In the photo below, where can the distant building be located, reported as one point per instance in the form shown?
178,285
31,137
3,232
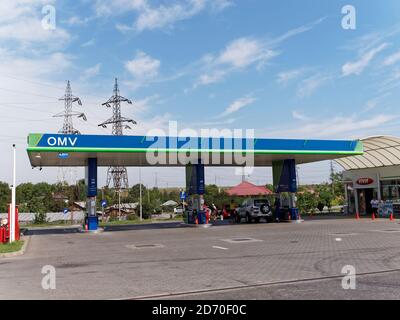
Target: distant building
125,209
78,206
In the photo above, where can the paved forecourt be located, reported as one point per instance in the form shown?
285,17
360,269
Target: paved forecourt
159,260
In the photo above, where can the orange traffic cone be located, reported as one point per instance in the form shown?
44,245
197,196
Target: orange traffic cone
357,216
391,216
373,215
197,221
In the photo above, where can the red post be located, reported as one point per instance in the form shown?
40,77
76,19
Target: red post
16,222
3,235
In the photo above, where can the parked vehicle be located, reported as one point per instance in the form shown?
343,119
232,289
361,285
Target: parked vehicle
254,210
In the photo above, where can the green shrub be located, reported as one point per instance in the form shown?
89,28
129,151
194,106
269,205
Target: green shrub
131,217
40,218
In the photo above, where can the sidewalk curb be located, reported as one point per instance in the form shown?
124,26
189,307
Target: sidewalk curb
26,240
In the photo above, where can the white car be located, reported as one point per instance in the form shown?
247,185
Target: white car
254,210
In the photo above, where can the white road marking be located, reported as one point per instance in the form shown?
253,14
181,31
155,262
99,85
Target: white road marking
222,248
338,239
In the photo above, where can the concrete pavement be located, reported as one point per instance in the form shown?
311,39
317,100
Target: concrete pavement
150,261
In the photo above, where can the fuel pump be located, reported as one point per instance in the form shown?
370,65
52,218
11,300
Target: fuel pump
285,180
5,226
195,190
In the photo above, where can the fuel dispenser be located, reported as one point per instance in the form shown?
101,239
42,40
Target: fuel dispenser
5,226
195,189
91,220
285,180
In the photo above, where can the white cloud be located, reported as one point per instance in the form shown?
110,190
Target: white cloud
237,105
112,7
88,43
299,116
91,72
394,58
391,82
308,86
21,24
285,77
245,51
337,127
163,16
143,105
77,21
155,18
143,66
212,77
239,54
219,5
357,67
160,122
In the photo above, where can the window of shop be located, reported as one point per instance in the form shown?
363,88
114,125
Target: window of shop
390,190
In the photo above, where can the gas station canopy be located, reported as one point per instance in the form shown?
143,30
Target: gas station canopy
379,151
57,150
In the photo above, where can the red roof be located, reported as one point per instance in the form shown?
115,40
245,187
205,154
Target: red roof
248,189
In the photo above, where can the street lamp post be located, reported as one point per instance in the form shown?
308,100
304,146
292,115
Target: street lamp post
140,194
12,211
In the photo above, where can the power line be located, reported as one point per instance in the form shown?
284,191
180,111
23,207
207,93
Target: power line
43,84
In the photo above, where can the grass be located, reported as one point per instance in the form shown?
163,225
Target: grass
129,222
48,224
101,224
11,247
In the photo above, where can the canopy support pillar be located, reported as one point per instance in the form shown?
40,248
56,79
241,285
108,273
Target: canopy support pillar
91,183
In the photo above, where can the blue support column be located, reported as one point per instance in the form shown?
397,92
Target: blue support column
91,182
285,180
195,189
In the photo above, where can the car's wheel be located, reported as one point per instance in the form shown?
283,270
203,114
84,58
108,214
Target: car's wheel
248,218
265,208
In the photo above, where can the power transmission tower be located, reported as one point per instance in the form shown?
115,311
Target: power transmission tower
68,113
117,174
68,127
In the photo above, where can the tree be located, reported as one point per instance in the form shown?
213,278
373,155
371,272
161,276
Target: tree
338,186
5,196
326,198
307,202
134,193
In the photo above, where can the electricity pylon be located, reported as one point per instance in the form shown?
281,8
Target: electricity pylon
117,174
68,113
68,127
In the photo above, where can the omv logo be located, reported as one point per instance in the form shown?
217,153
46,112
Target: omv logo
62,141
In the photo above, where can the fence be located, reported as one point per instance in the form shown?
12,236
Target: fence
77,216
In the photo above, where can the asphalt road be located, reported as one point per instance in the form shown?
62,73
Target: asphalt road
169,261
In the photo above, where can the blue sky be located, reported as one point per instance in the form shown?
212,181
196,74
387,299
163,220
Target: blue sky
284,68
